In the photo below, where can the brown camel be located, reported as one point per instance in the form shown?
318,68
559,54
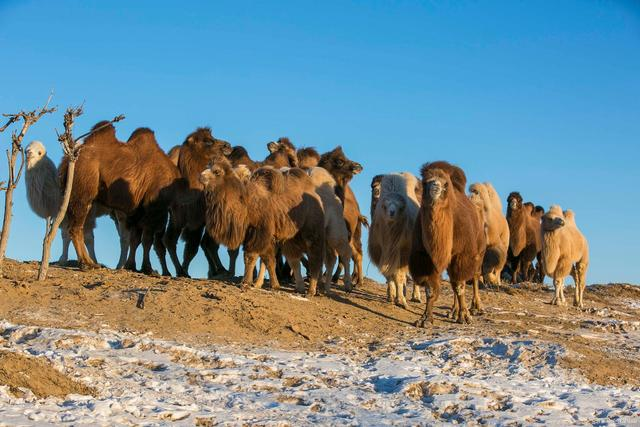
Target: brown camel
342,169
136,178
271,207
524,235
449,236
187,219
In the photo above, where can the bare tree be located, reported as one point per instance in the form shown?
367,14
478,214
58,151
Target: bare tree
28,118
71,149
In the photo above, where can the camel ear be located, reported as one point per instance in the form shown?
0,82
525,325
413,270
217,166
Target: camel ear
272,147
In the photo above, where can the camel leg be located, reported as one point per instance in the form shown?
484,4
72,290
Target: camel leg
476,303
345,254
250,260
399,279
329,264
191,244
135,236
455,308
463,311
357,267
170,241
89,241
516,272
147,243
270,263
562,299
76,232
315,259
297,274
210,248
415,294
233,258
432,294
123,234
259,280
558,299
391,290
66,241
161,252
336,276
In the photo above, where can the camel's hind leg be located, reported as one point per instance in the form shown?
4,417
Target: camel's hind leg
147,242
250,260
192,239
161,252
330,259
123,234
463,311
476,303
66,241
392,290
294,263
76,232
233,258
400,278
415,293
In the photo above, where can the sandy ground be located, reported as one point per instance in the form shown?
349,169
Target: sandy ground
66,321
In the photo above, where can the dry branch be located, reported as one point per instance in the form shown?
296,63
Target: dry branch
28,118
71,149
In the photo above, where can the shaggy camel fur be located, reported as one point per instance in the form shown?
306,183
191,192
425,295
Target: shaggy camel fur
282,154
564,251
496,229
136,178
307,157
390,235
524,235
45,197
271,207
336,233
448,236
196,152
342,169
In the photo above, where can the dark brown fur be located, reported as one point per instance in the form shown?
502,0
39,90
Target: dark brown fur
448,235
524,235
136,178
343,170
272,207
187,219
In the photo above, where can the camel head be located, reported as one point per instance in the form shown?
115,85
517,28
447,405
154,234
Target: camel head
514,201
478,194
206,145
538,211
376,189
436,185
554,219
218,171
282,153
339,165
393,205
35,152
242,172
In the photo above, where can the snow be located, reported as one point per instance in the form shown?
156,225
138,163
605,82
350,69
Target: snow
446,379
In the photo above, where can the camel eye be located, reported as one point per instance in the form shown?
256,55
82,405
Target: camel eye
39,152
339,163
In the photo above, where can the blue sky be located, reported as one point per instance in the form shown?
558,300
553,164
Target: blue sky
541,97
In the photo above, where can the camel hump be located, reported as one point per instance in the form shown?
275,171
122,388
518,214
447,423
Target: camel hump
457,176
269,178
102,131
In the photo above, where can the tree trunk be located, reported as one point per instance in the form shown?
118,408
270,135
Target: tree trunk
8,205
53,229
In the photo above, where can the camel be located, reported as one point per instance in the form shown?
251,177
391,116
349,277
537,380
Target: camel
136,178
564,251
395,208
45,197
449,236
336,233
524,235
496,229
307,157
271,207
343,170
187,220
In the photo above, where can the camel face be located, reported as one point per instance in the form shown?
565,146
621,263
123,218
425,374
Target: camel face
436,185
553,220
35,151
393,205
515,201
209,147
210,177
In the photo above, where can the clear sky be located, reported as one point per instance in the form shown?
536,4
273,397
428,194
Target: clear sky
542,97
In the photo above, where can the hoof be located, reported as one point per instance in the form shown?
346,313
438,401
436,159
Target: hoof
88,267
403,305
418,300
477,311
464,319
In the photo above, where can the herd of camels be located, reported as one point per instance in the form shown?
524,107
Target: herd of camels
297,205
